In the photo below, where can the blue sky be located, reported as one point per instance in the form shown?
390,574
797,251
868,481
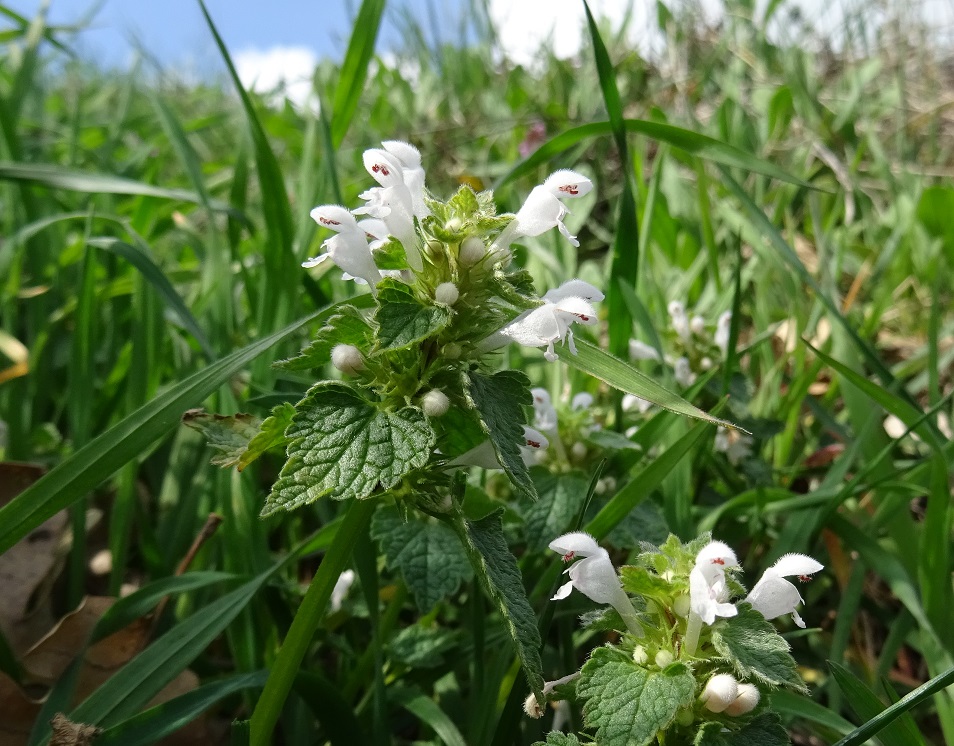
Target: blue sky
175,32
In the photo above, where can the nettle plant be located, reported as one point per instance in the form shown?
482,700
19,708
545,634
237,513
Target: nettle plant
691,666
420,398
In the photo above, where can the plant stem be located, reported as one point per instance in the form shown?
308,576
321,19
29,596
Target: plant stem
693,628
305,623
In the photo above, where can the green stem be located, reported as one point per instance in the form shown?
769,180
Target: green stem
693,628
305,623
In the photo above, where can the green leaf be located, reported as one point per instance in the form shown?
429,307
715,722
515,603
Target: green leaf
343,446
162,720
691,142
497,569
628,704
756,650
639,581
429,712
621,375
556,738
402,319
763,730
347,326
561,499
76,475
354,68
423,647
271,434
227,434
427,553
391,255
499,400
900,732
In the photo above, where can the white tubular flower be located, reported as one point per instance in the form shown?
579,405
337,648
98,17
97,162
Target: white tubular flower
594,576
581,401
678,319
413,173
683,372
563,306
544,413
543,209
773,595
342,586
708,591
348,249
392,202
745,702
720,692
485,456
642,351
722,331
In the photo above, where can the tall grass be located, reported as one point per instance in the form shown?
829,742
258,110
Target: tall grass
152,233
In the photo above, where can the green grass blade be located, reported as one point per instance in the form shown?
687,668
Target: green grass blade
163,720
58,177
621,375
354,68
140,259
92,464
689,141
428,711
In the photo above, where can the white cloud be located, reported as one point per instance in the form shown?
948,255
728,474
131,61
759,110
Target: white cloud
281,71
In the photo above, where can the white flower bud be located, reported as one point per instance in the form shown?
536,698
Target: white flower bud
697,325
746,701
720,692
663,658
453,224
435,403
472,250
706,363
640,656
578,450
446,293
347,358
680,605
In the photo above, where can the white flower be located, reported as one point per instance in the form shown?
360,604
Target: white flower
581,401
683,372
720,692
342,586
697,325
484,455
349,248
392,202
642,351
708,590
409,158
632,402
678,319
563,306
773,595
543,209
733,444
347,358
747,700
594,576
722,331
544,413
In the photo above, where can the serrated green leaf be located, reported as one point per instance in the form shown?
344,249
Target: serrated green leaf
628,704
428,555
639,581
756,650
556,738
561,496
464,203
270,435
347,326
763,730
498,572
458,430
499,400
344,447
227,434
644,523
391,255
402,319
516,288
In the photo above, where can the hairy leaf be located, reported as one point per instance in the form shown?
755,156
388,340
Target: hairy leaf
561,499
343,446
763,730
402,319
227,434
270,435
348,326
756,651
